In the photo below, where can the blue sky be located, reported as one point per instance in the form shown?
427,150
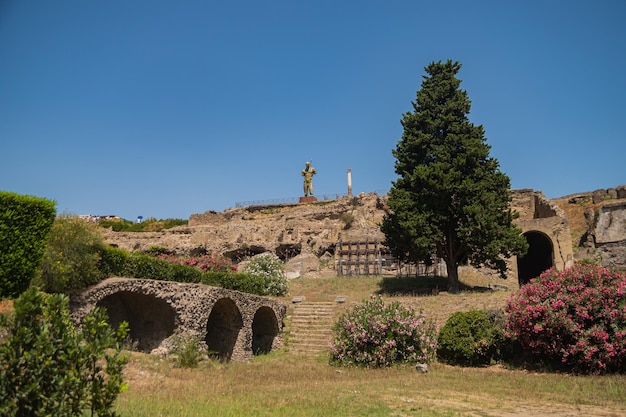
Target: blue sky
164,109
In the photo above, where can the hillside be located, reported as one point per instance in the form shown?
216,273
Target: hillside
305,236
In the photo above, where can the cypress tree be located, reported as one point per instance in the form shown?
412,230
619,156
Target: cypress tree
450,198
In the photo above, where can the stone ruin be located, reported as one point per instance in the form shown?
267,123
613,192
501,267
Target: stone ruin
305,236
234,325
547,232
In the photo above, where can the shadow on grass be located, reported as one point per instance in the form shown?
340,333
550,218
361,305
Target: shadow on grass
420,285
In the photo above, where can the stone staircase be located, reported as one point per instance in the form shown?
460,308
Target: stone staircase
311,327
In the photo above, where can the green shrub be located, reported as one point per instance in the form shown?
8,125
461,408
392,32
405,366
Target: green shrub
472,338
49,368
25,222
139,265
72,256
373,334
248,283
184,273
270,271
113,261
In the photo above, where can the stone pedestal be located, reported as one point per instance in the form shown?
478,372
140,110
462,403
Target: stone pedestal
308,199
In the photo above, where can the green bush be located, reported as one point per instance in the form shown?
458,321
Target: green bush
25,222
139,265
472,338
72,256
248,283
49,368
183,273
270,271
113,261
373,334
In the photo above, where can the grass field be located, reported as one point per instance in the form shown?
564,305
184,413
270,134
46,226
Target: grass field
285,384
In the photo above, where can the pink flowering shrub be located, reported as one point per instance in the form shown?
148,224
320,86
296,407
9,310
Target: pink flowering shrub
206,263
573,320
376,335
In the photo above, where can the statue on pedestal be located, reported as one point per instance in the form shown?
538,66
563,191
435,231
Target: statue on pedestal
308,173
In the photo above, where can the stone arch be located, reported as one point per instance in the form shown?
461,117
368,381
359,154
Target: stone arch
540,257
264,330
223,327
151,320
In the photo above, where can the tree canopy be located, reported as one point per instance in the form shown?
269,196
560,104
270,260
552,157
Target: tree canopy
450,198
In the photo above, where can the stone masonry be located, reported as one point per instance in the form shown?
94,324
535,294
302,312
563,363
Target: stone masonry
234,325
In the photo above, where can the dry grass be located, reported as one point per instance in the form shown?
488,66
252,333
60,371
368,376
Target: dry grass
287,385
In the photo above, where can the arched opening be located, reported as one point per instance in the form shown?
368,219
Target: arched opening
150,319
264,330
223,328
538,258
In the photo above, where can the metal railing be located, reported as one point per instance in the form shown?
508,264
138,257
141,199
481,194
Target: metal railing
295,200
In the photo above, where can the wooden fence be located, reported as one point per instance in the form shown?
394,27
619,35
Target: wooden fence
365,258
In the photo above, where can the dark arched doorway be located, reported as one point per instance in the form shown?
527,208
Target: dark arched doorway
223,328
264,330
151,319
538,258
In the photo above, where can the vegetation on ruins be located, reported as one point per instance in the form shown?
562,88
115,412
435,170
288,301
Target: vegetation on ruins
147,225
51,368
25,222
573,320
450,199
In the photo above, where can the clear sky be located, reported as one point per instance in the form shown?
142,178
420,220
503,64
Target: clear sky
168,108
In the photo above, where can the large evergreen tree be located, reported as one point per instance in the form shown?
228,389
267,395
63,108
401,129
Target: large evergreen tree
451,199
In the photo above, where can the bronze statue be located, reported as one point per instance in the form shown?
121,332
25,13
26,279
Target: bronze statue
308,173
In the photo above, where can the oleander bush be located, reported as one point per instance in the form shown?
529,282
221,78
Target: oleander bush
374,335
573,320
472,338
205,263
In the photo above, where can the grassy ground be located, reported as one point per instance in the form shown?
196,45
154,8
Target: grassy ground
284,384
281,384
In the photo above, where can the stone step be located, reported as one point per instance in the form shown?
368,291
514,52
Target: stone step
311,327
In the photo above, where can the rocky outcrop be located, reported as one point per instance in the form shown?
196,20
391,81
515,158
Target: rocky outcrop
303,235
603,231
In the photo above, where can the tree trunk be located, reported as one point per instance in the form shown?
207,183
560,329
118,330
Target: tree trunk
453,277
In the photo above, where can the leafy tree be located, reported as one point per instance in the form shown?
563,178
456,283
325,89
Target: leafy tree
451,199
72,255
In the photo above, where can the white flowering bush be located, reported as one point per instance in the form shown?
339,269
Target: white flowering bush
270,270
376,335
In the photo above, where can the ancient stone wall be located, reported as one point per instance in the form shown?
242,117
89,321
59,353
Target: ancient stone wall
234,325
546,228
